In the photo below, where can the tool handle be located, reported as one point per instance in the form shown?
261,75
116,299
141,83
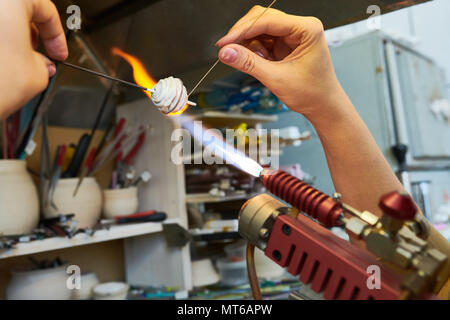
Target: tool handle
137,215
135,149
90,159
153,217
118,147
62,155
118,130
119,127
78,157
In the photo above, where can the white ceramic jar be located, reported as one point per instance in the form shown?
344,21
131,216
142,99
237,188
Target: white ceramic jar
120,202
19,200
42,284
86,205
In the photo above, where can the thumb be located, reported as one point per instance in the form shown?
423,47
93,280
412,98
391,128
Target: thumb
247,61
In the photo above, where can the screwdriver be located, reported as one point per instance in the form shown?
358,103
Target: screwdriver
77,159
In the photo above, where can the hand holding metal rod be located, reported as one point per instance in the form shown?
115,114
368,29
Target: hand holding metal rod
130,84
103,75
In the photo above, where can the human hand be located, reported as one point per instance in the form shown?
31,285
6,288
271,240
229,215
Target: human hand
25,72
289,55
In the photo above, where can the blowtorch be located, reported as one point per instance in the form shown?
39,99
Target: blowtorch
298,239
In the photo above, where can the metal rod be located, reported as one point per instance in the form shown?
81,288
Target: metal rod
240,37
104,76
204,76
5,139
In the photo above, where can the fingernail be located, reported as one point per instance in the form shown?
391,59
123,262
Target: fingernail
228,55
51,70
260,54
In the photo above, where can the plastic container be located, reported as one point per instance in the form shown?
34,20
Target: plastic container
232,273
120,202
111,291
86,205
41,284
19,201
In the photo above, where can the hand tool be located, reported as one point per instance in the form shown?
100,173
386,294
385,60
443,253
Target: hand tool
146,216
45,169
131,173
56,174
78,157
45,144
241,37
114,180
106,137
52,174
20,142
102,110
144,177
123,165
110,147
85,141
107,151
87,168
26,144
108,156
5,139
70,152
115,131
12,130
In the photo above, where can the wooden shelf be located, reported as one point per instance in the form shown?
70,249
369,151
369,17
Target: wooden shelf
114,233
207,198
217,119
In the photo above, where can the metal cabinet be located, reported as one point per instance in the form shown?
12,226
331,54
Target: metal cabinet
422,85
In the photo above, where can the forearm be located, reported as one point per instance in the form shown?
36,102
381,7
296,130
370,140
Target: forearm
358,168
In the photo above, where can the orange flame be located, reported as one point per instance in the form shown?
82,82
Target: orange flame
140,74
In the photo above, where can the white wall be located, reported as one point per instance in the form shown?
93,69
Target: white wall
427,25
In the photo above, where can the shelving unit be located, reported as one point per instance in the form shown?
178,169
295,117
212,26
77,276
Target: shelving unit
114,233
146,257
207,198
216,119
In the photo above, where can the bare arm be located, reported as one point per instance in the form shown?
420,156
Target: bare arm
292,59
290,56
25,72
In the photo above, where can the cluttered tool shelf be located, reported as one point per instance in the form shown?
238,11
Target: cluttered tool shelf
113,233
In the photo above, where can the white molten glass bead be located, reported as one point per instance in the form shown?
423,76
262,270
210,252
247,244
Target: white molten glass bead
169,95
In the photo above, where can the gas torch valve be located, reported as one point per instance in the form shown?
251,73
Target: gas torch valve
397,208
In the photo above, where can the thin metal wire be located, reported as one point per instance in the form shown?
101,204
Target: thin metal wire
242,36
204,77
104,76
